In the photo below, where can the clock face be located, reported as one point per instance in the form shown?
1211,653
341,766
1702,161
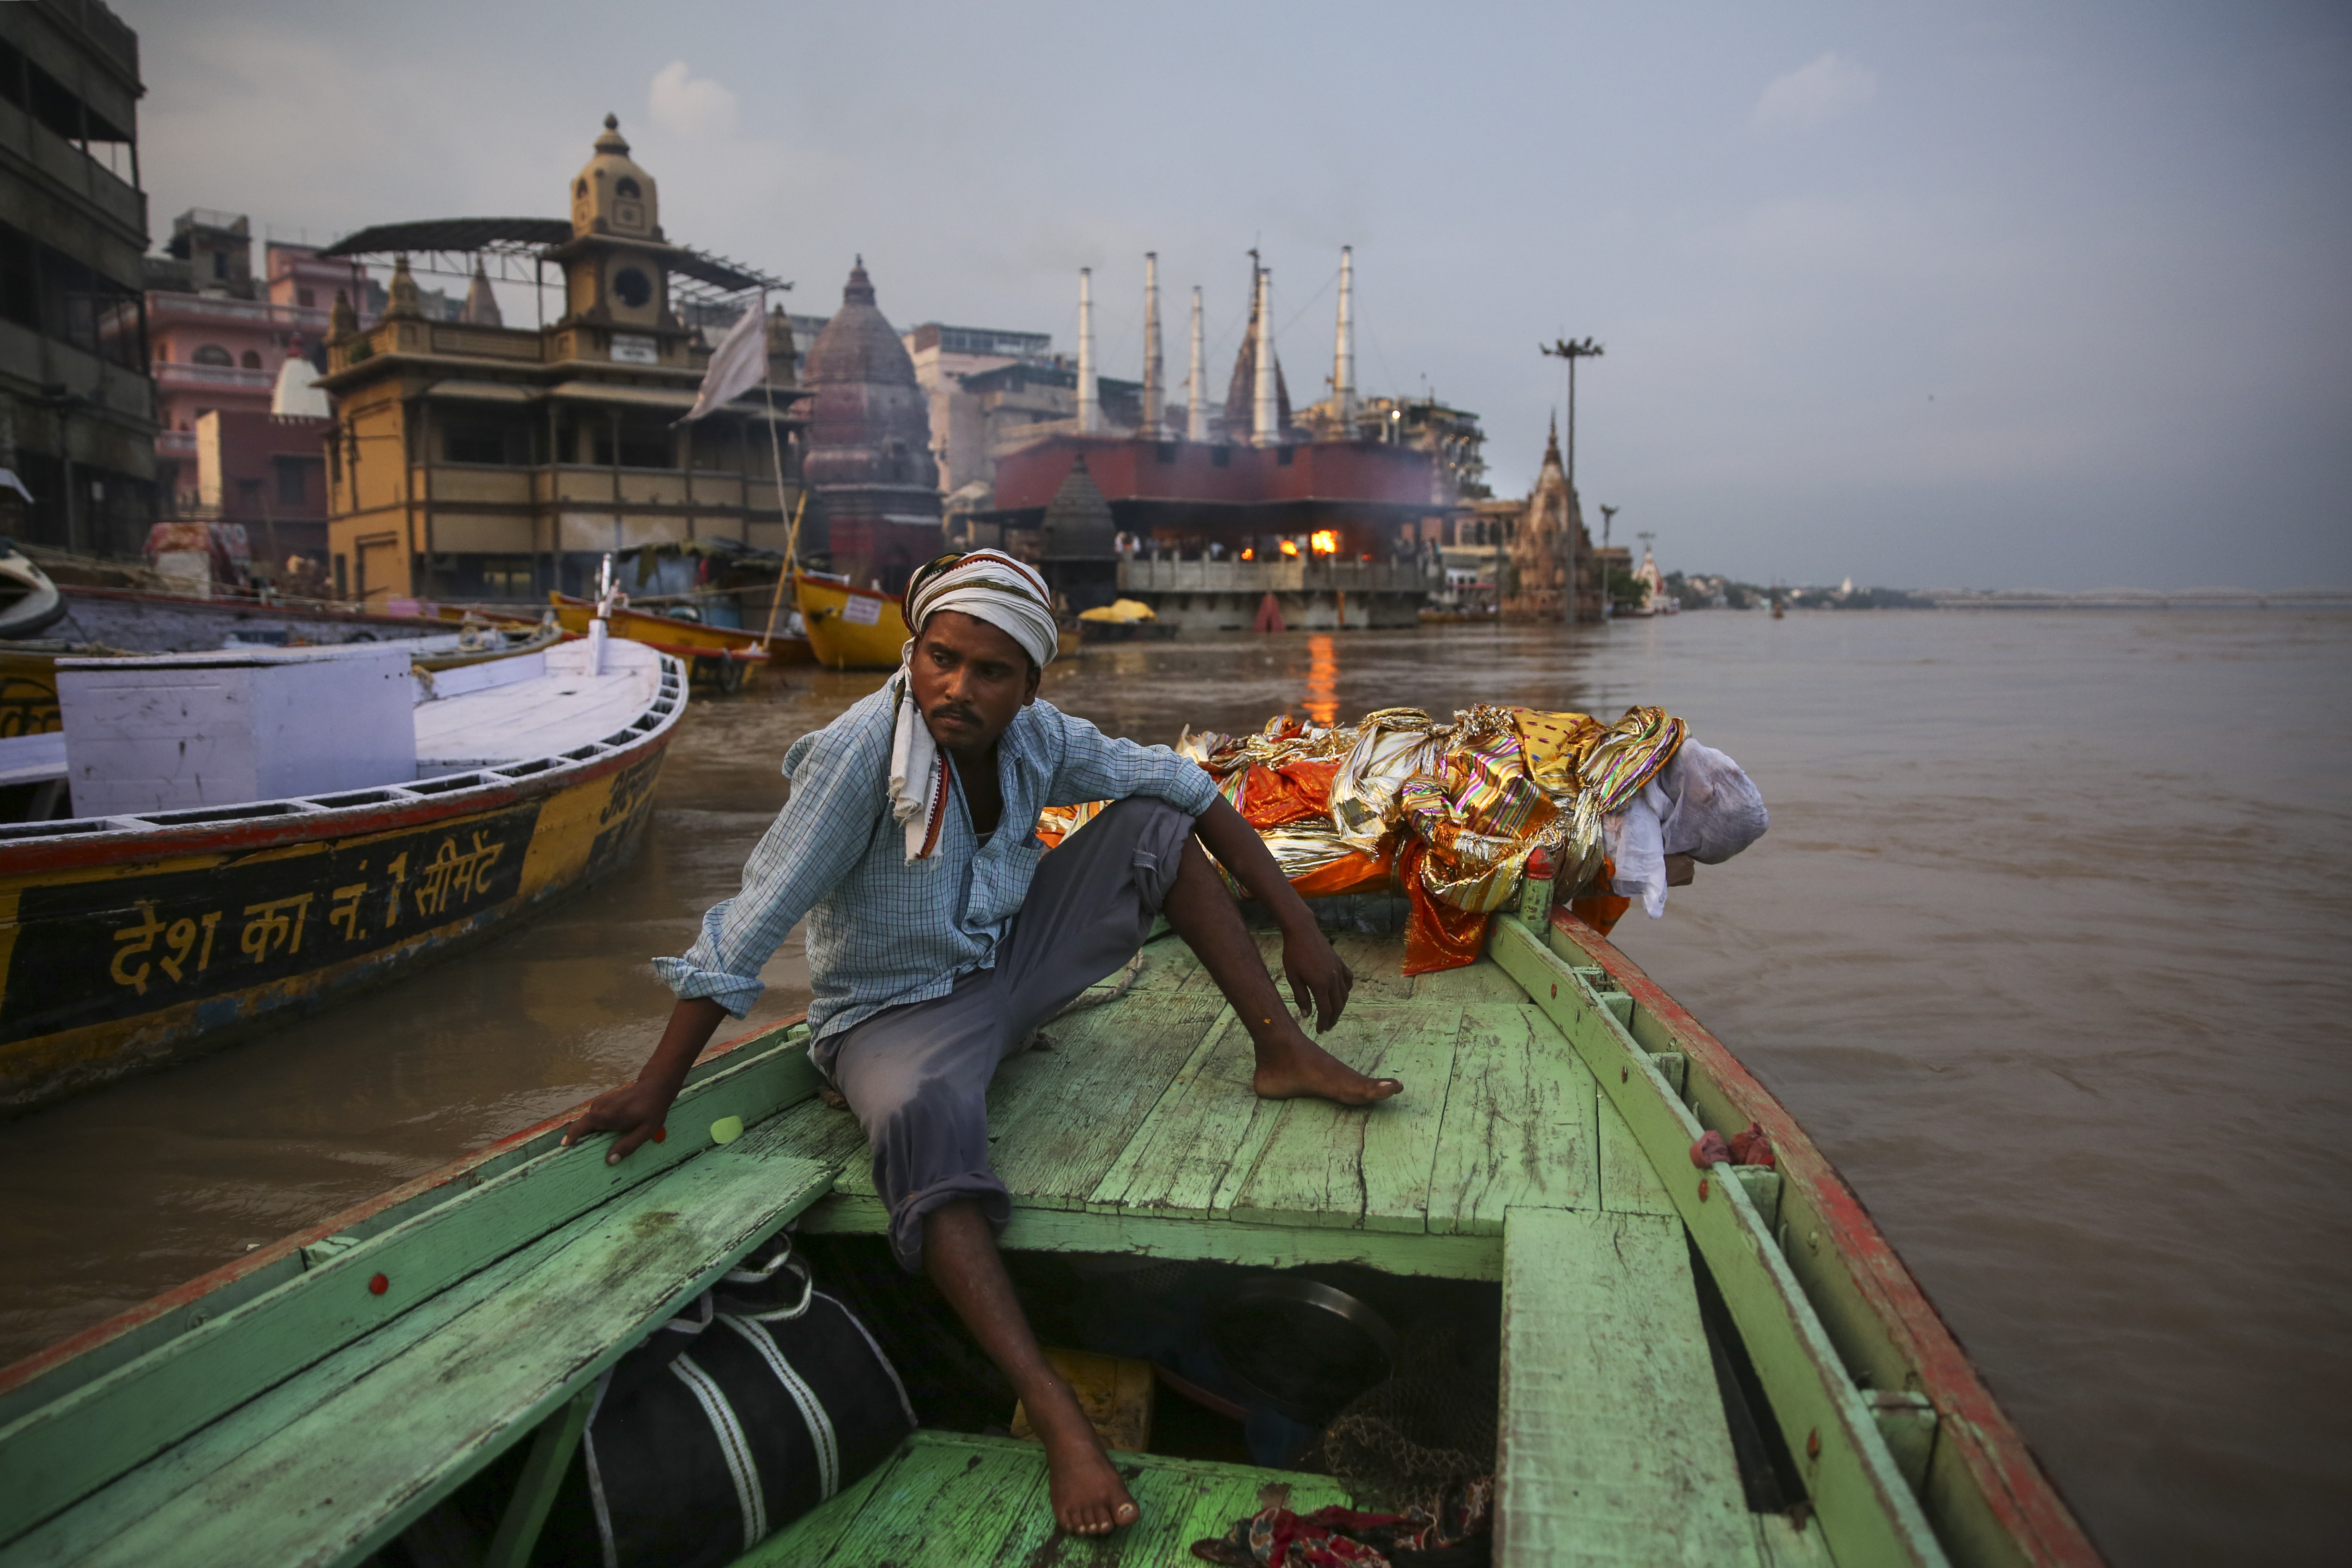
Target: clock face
632,287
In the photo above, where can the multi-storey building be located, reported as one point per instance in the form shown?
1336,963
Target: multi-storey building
222,338
476,461
77,409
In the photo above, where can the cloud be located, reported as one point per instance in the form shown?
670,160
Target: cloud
688,105
1805,98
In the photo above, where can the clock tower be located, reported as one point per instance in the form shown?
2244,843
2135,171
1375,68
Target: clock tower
616,269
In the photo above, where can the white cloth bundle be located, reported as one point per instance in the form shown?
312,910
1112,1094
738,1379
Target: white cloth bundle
988,586
1702,805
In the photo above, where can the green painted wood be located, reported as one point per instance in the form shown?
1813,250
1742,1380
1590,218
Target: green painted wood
1479,982
71,1536
1628,1184
1328,1165
831,1137
1218,1241
1865,1506
1373,960
68,1447
809,1538
429,1192
551,1448
1613,1447
944,1504
1518,1127
1060,1116
948,1501
1202,1137
1782,1542
341,1479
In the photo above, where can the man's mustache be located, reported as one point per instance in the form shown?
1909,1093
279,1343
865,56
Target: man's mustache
955,710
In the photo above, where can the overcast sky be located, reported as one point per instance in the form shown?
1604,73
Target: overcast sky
2016,292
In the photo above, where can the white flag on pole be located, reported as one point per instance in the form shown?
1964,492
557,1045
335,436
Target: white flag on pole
736,364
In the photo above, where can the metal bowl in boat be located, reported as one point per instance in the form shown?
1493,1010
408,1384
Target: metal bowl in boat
1300,1346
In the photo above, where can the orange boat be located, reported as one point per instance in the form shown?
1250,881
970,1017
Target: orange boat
724,655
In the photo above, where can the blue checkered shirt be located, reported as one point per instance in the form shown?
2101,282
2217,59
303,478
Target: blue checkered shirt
881,931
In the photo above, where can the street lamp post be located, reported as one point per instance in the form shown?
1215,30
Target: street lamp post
1571,349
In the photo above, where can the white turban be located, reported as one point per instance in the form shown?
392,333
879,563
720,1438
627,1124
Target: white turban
988,586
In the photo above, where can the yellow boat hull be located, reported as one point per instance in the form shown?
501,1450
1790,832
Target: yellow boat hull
850,628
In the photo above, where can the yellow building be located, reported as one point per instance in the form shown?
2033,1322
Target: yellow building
472,460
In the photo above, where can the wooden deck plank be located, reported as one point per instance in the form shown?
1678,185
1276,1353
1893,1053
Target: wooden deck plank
943,1505
1614,1448
1479,982
82,1529
1519,1129
1201,1139
1197,1240
1629,1185
1373,962
948,1501
1326,1164
1059,1116
341,1480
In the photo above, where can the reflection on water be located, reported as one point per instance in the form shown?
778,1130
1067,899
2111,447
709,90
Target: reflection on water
2046,947
1322,700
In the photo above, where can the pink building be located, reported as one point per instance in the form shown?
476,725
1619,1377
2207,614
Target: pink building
220,338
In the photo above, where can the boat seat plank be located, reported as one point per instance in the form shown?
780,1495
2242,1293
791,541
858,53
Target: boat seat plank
59,1451
1328,1165
73,1535
1613,1444
1060,1112
1519,1129
345,1477
947,1500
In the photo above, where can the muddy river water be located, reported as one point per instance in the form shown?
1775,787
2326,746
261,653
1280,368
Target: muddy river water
2049,947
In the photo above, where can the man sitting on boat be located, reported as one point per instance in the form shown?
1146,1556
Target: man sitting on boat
940,934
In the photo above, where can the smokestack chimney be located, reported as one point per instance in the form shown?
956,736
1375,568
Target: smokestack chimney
1343,357
1154,395
1089,396
1266,423
1196,417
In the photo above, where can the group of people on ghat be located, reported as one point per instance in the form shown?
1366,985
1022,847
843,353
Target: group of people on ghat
940,933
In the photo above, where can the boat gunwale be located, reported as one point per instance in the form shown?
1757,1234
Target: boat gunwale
2023,1500
69,846
460,1174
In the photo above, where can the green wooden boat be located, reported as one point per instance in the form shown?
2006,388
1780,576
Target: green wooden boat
310,1402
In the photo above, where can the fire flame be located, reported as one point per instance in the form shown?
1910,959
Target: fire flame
1326,541
1290,547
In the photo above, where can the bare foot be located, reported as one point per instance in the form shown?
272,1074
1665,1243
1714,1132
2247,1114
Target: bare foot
1087,1496
1298,1069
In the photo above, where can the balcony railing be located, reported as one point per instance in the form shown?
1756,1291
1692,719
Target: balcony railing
179,445
1293,576
162,307
170,373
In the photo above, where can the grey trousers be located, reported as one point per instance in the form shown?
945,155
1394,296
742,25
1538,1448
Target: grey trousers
917,1075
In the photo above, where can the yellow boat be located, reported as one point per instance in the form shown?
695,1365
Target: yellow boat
726,654
864,628
850,628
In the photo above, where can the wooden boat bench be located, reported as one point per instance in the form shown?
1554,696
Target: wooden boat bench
427,1349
